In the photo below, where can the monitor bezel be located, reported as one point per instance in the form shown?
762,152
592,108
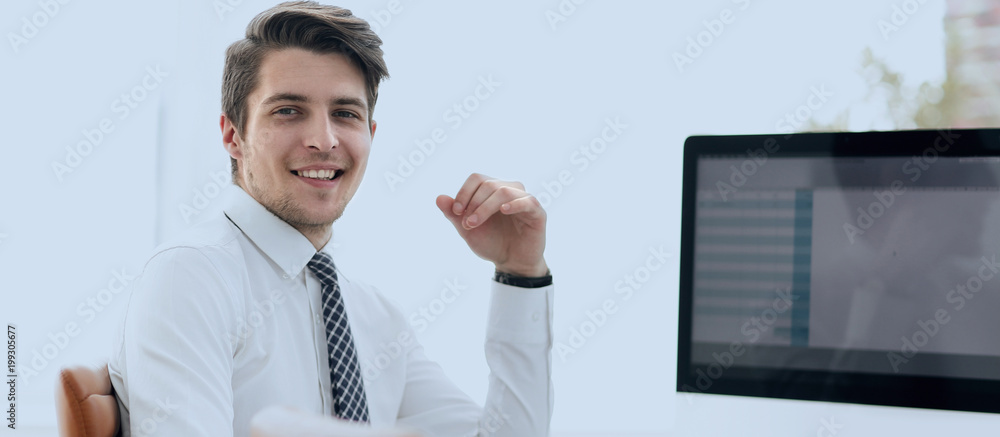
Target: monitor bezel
944,393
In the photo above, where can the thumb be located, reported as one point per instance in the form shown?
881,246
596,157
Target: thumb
444,203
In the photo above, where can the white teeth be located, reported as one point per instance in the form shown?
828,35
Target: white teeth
318,174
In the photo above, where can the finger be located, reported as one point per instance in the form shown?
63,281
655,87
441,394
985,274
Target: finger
527,204
491,205
465,193
485,190
445,203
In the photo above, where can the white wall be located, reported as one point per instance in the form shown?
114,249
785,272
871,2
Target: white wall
559,85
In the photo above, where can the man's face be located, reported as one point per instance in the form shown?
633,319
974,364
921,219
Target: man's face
307,122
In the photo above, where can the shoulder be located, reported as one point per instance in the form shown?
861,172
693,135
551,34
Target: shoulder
203,265
210,244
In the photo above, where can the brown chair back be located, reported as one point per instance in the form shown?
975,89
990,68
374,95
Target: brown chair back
85,403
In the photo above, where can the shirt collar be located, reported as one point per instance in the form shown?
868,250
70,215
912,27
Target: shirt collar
278,240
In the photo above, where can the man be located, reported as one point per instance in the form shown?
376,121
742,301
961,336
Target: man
250,311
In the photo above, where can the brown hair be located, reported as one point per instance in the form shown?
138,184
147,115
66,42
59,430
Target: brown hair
300,24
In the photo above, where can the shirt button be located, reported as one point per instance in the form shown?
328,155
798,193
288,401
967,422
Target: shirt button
535,316
285,276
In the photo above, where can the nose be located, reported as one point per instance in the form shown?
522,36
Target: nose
321,134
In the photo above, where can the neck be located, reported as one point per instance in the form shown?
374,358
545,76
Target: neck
317,235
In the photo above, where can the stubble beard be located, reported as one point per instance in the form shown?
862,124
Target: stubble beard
285,207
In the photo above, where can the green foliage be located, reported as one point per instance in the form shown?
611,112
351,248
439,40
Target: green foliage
892,105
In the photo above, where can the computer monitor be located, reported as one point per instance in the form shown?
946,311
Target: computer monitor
845,267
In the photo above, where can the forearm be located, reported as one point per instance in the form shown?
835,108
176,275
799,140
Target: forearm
518,352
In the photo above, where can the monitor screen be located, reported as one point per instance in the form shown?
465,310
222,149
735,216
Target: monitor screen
856,267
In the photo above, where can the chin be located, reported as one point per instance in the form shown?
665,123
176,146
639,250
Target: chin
314,221
309,214
325,218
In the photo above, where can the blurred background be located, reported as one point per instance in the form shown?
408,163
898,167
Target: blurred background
110,115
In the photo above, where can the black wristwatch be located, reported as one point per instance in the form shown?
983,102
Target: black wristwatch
523,281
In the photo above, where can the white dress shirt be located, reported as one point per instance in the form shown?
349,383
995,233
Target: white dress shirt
227,321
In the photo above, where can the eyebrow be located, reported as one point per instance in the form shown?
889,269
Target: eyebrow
287,97
292,97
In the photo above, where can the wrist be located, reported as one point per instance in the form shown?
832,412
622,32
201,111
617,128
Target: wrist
533,271
523,281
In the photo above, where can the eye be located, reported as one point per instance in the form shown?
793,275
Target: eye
346,114
286,111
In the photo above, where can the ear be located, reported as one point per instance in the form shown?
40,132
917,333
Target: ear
231,138
374,124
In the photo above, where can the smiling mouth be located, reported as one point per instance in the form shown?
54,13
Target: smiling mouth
323,175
